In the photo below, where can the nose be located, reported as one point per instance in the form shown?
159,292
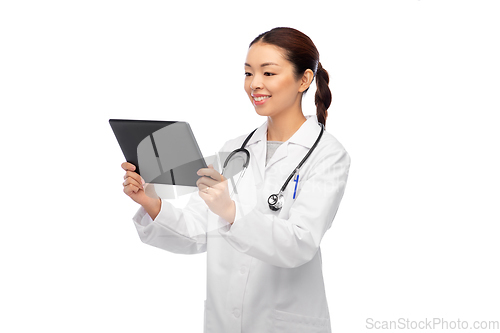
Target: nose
256,83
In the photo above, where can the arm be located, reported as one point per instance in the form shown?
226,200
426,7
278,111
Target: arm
294,241
174,229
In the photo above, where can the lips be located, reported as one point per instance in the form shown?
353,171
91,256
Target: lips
260,99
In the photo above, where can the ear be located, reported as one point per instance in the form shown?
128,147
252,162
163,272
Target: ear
306,80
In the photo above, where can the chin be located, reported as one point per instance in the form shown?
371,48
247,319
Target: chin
262,112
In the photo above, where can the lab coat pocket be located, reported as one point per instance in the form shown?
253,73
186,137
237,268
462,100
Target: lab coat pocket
295,323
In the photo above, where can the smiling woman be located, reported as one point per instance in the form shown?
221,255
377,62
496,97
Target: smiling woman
280,67
264,264
272,86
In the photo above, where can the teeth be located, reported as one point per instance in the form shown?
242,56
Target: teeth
258,99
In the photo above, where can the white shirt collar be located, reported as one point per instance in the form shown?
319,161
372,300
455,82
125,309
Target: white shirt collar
306,135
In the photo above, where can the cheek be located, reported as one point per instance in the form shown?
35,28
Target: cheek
283,87
246,86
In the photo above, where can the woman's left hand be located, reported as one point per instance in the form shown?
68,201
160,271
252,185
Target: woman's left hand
214,191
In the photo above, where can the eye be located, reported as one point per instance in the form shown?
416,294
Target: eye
248,74
269,74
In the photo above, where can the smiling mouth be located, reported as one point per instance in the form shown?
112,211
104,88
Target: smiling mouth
260,98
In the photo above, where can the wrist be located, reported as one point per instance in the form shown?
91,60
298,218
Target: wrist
153,207
230,213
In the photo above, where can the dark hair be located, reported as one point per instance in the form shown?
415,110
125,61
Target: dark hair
302,53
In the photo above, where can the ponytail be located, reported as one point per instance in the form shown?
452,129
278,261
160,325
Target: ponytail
323,97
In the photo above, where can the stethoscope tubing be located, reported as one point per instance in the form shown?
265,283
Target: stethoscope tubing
303,160
275,201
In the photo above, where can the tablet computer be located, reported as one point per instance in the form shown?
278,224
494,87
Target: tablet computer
164,152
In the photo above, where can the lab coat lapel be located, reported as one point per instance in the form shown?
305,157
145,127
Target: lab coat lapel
257,148
257,145
279,154
260,156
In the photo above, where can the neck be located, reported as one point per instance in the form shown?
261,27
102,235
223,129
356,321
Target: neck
282,128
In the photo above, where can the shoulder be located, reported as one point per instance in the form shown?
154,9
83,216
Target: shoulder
330,160
327,170
332,148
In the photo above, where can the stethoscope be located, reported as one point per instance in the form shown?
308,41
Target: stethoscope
275,201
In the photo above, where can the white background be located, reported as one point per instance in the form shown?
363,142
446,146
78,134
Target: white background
415,101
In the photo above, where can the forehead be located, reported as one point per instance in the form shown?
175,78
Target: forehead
260,53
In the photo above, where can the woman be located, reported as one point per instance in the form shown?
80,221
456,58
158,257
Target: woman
264,266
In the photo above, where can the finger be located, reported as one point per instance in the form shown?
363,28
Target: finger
207,195
135,176
203,187
130,181
210,172
203,195
130,189
134,182
128,166
204,182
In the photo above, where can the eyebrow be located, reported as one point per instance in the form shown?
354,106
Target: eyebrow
264,64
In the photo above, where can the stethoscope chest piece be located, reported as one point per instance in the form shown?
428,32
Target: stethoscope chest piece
275,201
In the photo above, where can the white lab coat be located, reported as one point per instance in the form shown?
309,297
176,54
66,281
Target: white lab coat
264,272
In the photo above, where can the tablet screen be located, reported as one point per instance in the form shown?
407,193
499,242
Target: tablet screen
164,152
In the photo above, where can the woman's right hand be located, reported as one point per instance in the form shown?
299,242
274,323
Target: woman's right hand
133,186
